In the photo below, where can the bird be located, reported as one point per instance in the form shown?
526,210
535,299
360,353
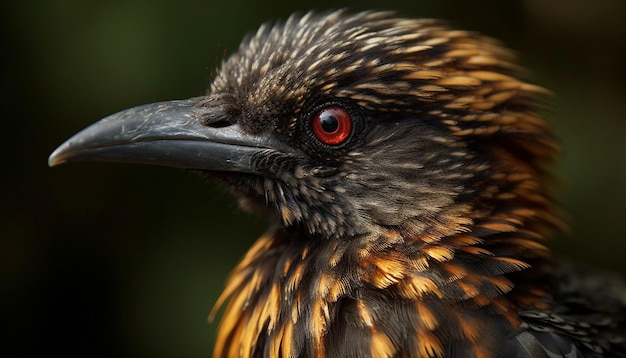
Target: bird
405,168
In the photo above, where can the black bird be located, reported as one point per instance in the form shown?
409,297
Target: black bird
405,167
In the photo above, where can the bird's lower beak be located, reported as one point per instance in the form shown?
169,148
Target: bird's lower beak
173,133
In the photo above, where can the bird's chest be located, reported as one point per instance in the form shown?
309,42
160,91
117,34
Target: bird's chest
326,307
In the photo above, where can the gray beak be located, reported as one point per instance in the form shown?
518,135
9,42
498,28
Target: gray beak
175,133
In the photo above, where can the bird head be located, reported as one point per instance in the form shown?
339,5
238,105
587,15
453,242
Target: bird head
345,125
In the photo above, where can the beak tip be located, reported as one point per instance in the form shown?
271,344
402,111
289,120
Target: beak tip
58,157
53,162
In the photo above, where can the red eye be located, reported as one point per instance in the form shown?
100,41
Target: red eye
332,125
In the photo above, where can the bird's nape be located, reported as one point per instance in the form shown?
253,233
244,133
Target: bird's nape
404,165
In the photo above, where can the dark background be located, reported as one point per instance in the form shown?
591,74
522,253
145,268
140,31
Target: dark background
123,260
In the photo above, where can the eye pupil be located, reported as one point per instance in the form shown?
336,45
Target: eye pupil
332,125
329,123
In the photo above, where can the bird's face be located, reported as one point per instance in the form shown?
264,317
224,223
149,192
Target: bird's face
344,126
344,170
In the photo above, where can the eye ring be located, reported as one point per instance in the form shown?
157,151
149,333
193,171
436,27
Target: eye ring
332,125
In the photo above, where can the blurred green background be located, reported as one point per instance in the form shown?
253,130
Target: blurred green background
123,260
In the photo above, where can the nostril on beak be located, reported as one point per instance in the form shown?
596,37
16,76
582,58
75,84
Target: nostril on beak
218,123
215,112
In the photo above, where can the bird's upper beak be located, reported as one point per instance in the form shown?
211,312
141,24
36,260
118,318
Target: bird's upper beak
173,133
